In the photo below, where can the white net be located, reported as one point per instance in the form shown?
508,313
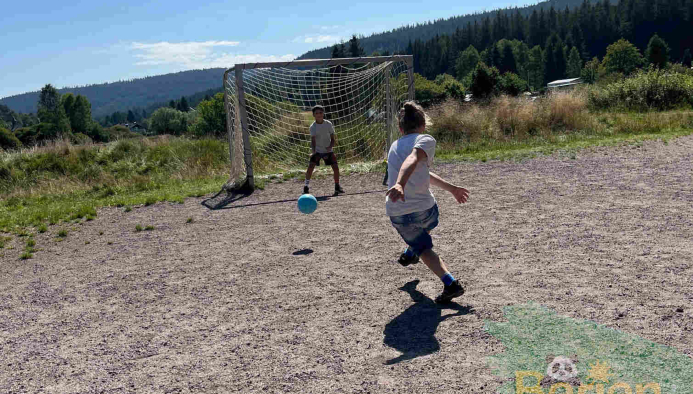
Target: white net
269,112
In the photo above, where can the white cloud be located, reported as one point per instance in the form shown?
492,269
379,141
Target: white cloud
318,39
193,55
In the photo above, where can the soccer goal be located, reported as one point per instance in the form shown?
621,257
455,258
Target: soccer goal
268,111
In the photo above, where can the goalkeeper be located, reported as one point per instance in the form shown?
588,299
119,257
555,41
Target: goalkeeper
322,140
416,215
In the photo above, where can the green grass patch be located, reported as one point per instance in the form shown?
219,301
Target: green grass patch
62,233
149,228
138,228
42,228
190,220
4,240
533,332
26,255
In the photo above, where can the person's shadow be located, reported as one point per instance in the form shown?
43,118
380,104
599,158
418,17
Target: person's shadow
413,331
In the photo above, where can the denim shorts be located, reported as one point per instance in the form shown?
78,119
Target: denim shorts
415,228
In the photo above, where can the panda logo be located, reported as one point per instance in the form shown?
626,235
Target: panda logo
561,369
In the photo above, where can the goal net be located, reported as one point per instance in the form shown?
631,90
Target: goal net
268,111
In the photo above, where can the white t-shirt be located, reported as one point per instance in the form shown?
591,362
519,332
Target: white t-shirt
322,132
417,193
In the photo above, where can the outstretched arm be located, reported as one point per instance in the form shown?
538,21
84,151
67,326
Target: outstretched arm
461,194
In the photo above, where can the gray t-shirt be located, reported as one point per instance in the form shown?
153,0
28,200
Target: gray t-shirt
417,193
322,132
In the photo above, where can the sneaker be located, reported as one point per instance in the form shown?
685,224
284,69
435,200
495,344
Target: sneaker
406,259
306,190
338,189
449,292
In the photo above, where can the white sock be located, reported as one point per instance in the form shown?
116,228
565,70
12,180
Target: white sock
307,182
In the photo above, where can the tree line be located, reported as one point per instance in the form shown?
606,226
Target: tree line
550,44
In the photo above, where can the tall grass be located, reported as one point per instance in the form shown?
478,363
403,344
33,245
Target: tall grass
558,119
511,119
61,181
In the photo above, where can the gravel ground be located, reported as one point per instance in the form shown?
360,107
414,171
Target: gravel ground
258,297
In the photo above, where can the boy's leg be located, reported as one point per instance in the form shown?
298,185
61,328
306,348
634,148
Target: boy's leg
309,173
434,263
335,169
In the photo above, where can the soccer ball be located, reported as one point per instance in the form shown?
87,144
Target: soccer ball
307,203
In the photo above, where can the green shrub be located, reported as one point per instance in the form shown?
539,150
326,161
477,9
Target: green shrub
8,140
652,89
511,84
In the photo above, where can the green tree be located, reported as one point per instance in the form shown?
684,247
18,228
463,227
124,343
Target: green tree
68,102
622,57
80,118
535,68
657,52
168,121
355,49
211,117
466,62
52,113
574,63
172,104
590,72
184,105
484,81
508,63
131,116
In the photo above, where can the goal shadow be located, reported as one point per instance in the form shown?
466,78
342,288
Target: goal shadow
223,204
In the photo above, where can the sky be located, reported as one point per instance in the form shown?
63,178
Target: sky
81,42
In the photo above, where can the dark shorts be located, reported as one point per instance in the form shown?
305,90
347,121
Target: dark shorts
415,228
329,158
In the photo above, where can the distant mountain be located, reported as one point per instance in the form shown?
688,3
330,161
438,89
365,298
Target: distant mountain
397,40
107,98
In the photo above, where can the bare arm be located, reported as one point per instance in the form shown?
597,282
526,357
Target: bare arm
461,194
333,141
312,144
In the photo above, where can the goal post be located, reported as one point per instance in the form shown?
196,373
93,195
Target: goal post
268,111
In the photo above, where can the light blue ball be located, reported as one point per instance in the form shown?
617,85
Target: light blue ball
307,203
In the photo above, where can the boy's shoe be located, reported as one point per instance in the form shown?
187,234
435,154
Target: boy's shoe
449,292
338,189
406,259
305,190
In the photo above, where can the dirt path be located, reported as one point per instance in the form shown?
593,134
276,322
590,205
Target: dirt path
236,300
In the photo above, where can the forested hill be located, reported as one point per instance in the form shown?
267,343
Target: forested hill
107,98
397,40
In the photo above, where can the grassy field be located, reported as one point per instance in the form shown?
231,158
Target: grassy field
63,183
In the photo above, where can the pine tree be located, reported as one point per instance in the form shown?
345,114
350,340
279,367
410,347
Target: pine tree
184,105
131,116
172,104
508,62
81,115
355,49
574,68
535,68
657,52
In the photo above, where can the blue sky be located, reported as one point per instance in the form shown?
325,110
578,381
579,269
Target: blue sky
82,42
